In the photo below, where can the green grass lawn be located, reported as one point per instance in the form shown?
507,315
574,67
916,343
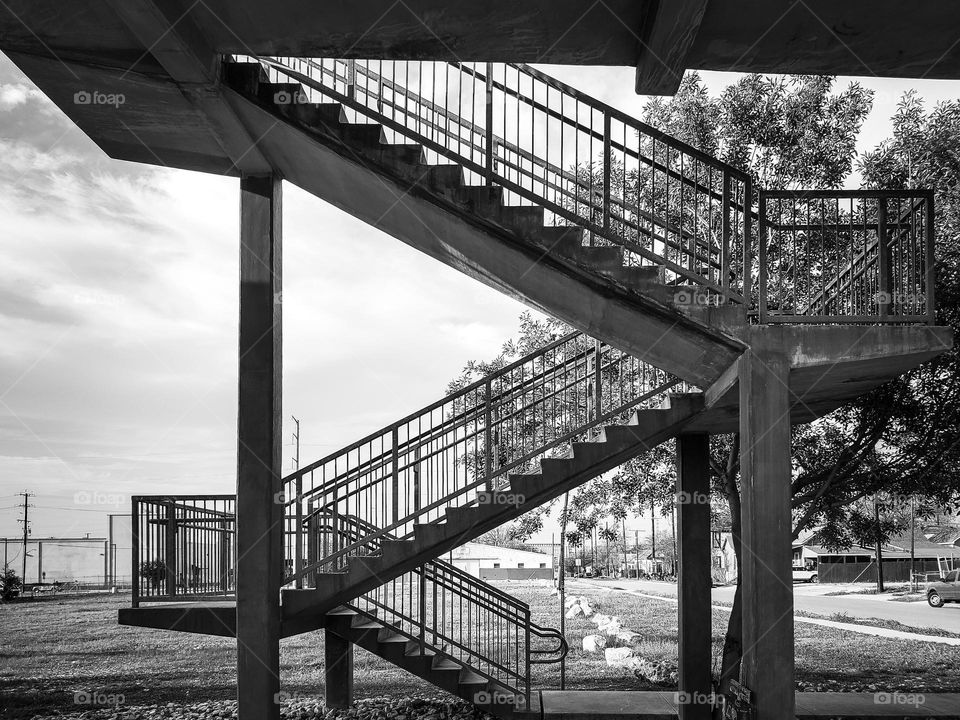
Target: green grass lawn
53,648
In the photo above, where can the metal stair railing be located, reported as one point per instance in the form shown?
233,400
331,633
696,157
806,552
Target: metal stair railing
545,143
449,612
442,456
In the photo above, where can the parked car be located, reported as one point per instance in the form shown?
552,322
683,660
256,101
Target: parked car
947,589
806,572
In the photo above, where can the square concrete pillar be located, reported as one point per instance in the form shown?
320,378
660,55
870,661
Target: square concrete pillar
766,573
693,523
338,670
259,514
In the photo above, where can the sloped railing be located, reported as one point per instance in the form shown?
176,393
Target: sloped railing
439,457
449,611
628,184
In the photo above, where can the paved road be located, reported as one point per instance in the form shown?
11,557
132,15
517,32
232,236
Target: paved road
814,599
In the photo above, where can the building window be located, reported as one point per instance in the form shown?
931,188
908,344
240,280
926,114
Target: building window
496,565
543,565
519,565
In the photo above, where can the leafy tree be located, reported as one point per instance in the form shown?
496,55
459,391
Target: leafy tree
10,584
154,572
902,439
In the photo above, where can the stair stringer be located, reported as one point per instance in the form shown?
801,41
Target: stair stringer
304,609
460,226
433,664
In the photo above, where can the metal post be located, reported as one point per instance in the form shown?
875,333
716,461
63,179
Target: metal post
725,233
606,171
747,243
488,436
298,536
395,500
135,552
312,543
170,549
489,124
762,243
931,273
885,288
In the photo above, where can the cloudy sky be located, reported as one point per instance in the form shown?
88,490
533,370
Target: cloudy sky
118,313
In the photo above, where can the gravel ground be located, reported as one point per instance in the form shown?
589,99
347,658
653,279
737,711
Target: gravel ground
382,708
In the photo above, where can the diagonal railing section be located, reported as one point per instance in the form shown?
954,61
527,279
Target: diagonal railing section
442,456
446,610
860,256
628,184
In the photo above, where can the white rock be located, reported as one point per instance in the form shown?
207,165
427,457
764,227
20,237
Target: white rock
617,657
573,612
600,620
613,628
627,635
594,643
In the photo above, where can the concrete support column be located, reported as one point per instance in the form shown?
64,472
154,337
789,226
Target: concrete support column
768,646
693,521
259,515
338,670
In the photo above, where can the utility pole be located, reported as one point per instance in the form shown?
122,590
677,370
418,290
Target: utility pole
876,517
913,540
26,531
296,440
653,539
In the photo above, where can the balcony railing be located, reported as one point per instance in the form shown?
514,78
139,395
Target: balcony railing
859,256
183,547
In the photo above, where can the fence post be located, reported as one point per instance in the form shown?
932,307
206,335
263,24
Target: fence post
762,249
931,271
747,244
298,536
488,129
725,234
351,78
488,435
885,287
597,379
135,552
170,549
312,543
606,171
423,609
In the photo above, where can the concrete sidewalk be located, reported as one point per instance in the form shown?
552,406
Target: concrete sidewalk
851,627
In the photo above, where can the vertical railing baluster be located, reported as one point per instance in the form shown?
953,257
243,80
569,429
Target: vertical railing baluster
762,249
726,209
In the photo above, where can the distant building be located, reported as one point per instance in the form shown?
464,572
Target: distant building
723,558
493,562
49,560
859,563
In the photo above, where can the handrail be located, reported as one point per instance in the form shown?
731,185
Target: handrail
694,223
412,470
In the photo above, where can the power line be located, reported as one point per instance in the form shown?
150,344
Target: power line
26,531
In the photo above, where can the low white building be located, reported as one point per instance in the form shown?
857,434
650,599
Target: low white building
495,562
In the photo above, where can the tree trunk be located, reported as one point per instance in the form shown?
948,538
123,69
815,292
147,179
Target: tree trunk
733,642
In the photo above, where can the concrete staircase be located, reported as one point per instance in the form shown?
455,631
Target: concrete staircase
305,609
563,269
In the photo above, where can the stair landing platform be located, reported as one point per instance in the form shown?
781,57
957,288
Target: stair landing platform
602,704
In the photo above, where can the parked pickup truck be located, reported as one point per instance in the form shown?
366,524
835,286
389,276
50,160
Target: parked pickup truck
946,589
807,572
